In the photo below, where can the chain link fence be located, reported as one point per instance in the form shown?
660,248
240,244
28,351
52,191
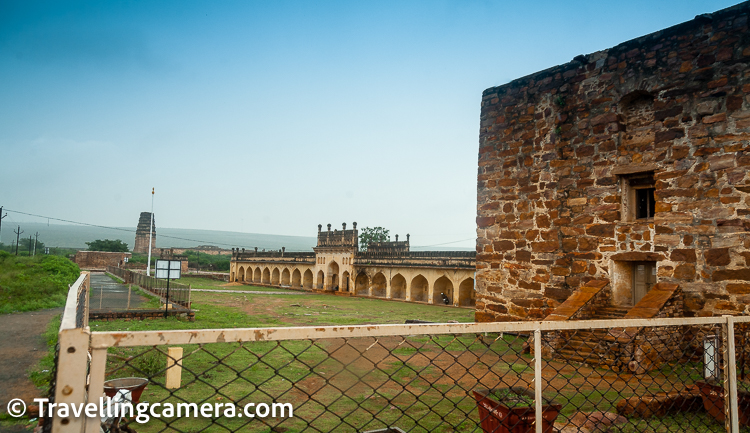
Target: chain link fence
664,375
178,294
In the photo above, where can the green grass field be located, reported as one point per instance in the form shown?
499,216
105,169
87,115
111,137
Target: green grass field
34,283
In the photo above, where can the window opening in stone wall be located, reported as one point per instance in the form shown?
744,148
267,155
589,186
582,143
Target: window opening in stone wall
638,192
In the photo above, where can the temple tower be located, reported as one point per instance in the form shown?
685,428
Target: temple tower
141,234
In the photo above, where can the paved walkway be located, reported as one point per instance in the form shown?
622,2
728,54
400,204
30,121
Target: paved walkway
251,292
106,294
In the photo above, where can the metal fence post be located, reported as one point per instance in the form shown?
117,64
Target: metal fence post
730,378
87,288
538,377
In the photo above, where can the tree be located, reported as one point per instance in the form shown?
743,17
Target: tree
27,244
116,246
372,234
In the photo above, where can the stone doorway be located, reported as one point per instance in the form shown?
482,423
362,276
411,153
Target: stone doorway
644,278
631,280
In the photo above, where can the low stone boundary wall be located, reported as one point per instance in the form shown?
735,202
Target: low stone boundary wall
216,276
110,316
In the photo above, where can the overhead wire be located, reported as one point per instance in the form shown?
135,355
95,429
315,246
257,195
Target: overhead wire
117,228
181,238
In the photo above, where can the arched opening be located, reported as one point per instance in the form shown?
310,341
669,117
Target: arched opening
419,289
241,275
296,278
362,285
333,276
442,291
275,277
378,285
398,287
466,296
345,282
258,277
321,278
307,282
266,276
285,277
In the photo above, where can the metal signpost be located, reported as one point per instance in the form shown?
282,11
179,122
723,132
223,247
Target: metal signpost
168,270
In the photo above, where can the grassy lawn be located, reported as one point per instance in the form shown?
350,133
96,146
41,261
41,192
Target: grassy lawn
245,310
205,283
34,283
252,372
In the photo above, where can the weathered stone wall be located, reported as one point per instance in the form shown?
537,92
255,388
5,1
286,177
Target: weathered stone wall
203,249
169,254
99,259
557,147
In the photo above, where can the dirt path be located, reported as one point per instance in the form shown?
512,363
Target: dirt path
21,346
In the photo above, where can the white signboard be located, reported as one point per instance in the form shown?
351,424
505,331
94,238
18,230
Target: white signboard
710,358
168,269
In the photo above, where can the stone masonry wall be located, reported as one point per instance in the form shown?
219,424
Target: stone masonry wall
557,146
99,259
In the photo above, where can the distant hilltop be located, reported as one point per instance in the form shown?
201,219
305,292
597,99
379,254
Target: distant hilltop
74,236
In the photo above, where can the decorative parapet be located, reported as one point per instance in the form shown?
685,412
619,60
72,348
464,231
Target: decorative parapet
335,238
280,255
428,259
389,247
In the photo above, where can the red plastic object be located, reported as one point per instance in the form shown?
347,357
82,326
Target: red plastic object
135,385
496,417
713,401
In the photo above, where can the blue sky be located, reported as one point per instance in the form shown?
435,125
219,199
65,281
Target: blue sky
273,117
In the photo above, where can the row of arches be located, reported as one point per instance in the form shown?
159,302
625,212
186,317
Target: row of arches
418,289
409,288
277,277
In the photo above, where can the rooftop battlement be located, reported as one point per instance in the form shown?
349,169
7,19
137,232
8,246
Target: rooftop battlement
336,238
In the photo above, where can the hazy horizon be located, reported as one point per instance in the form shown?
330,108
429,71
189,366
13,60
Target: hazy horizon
76,236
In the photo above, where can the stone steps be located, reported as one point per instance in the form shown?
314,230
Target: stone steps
610,313
596,346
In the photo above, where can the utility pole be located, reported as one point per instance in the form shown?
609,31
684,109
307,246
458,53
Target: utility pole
30,238
18,237
1,222
36,239
150,230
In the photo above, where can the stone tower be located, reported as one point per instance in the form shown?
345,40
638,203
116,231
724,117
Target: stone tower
141,234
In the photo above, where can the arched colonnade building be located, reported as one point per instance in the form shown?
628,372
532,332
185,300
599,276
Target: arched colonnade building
386,270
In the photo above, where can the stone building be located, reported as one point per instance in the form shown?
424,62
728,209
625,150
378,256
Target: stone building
172,254
620,180
141,234
386,270
100,259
